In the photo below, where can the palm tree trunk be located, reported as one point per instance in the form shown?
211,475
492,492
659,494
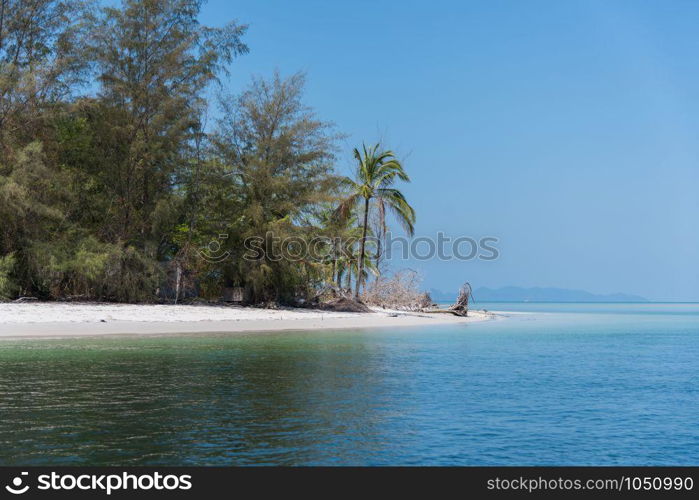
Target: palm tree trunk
360,265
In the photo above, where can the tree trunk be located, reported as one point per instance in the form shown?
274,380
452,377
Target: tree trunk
337,270
334,270
360,265
178,282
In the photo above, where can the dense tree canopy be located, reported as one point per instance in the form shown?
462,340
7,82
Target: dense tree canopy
113,187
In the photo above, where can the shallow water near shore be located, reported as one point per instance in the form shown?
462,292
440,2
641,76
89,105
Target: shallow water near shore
558,384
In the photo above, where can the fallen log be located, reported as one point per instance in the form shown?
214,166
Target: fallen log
445,311
460,307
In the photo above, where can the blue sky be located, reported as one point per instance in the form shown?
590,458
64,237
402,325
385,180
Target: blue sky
568,130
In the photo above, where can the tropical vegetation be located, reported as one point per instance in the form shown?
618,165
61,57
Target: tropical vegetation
122,179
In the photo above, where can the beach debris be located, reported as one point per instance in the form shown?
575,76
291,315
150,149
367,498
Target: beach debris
345,304
460,307
401,290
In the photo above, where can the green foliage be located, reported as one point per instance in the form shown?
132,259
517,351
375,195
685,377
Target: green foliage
277,168
89,269
114,194
377,171
8,287
40,62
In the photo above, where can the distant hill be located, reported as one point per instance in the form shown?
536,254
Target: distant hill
537,294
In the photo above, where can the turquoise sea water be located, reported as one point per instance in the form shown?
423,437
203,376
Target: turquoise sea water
580,384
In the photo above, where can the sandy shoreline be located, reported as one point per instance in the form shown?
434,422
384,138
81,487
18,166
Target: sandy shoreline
63,320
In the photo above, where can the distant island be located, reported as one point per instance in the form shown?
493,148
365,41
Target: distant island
537,294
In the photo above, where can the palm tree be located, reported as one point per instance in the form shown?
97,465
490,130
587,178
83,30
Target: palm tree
348,263
377,171
350,257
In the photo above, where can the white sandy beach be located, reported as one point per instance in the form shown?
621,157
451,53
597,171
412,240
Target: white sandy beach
55,319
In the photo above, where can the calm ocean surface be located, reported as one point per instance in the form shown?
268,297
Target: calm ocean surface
578,384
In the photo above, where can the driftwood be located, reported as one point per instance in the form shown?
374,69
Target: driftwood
332,298
345,304
460,307
400,291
